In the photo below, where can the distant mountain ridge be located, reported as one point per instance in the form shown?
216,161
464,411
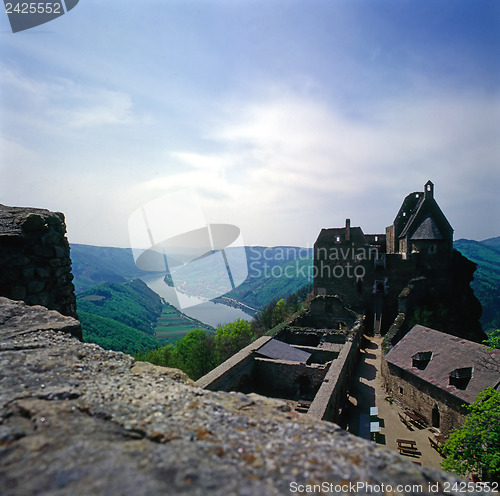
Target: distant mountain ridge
93,265
486,283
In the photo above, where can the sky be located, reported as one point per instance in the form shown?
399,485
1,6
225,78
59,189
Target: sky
284,116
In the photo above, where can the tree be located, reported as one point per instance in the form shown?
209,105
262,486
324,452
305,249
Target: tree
475,448
231,338
194,354
493,340
279,312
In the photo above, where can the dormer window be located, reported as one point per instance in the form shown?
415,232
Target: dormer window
460,377
421,360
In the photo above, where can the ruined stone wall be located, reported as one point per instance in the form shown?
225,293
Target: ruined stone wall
235,372
35,264
421,397
283,379
333,391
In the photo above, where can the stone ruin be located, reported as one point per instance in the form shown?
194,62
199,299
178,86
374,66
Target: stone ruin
35,264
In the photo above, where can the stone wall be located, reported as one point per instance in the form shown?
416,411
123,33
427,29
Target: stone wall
35,264
228,376
332,394
76,419
283,379
423,398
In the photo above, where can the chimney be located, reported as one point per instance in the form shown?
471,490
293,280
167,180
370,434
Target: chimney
429,190
348,230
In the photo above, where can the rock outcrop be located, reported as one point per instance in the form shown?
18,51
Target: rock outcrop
35,264
76,419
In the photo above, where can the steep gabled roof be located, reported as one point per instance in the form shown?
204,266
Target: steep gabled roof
427,230
451,355
418,207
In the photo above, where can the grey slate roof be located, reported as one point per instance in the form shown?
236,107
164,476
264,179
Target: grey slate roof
427,230
448,354
279,350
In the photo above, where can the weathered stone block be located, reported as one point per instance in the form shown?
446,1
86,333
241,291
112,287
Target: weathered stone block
34,222
43,272
36,286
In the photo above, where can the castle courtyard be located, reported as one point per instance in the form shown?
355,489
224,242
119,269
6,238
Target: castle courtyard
367,391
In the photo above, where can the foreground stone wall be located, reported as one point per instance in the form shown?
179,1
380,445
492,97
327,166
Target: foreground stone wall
35,264
76,419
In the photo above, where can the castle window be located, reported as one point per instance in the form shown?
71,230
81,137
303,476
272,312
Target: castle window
416,195
401,391
460,377
337,239
432,249
404,214
376,238
421,360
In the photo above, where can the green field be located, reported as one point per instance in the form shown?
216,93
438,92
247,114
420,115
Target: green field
173,325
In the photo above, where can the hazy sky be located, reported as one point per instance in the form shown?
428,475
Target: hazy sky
287,116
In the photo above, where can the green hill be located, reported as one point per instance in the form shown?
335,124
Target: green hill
273,272
121,317
486,283
114,335
131,303
93,265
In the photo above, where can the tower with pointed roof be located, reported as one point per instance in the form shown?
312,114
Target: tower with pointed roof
412,266
420,228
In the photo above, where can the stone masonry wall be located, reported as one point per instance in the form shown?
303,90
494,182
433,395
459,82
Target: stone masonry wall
35,264
420,396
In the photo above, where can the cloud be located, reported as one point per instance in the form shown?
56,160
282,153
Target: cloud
58,105
297,161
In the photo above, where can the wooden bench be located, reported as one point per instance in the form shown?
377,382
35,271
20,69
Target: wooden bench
420,418
409,451
409,442
434,444
405,422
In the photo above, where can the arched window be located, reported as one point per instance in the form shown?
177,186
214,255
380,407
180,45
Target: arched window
436,416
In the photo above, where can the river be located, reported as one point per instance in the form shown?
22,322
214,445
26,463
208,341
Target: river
208,312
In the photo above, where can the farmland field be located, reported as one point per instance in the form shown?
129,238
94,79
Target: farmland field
173,325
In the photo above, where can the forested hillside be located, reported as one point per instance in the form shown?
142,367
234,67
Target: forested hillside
121,317
486,283
92,265
273,273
